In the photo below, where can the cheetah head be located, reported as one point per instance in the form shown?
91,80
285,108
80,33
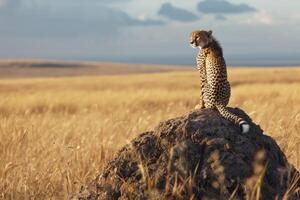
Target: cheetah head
200,38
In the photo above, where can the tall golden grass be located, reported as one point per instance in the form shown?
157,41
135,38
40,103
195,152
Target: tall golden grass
56,134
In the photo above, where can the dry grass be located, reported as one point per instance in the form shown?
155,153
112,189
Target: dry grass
44,68
58,133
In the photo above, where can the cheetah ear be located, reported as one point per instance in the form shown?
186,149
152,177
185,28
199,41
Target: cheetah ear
210,32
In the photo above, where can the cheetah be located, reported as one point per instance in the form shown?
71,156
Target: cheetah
215,88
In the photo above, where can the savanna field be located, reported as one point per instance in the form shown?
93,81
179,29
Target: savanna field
58,133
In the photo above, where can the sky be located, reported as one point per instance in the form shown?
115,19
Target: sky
256,32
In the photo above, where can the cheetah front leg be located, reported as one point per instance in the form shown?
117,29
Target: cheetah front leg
201,103
202,69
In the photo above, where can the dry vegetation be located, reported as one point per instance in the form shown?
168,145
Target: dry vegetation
56,134
43,68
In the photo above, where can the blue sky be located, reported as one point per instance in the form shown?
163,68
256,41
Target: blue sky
146,31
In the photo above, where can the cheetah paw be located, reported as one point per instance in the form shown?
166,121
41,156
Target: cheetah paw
199,106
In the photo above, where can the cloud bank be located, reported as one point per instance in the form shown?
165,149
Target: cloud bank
223,7
177,14
68,19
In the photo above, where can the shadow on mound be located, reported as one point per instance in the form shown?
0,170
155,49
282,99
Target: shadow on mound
197,156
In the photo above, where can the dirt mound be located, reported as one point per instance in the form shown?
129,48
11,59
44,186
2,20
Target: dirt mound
197,156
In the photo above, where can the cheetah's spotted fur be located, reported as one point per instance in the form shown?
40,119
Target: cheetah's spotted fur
215,88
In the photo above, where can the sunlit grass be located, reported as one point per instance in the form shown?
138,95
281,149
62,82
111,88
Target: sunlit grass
56,134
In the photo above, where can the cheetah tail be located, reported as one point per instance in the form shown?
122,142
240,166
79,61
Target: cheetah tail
243,124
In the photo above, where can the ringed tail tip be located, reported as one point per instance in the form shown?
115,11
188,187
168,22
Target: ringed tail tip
244,126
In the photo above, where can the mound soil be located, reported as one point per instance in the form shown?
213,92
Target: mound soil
196,156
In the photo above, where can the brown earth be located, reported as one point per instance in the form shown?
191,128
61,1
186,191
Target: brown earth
197,156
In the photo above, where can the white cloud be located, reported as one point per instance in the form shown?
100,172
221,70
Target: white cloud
260,18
